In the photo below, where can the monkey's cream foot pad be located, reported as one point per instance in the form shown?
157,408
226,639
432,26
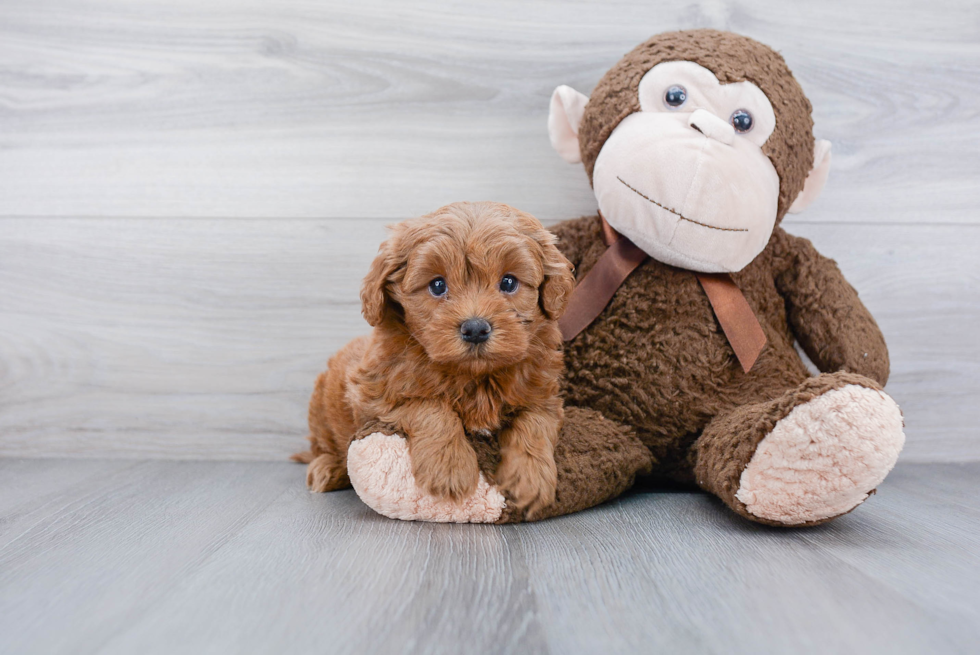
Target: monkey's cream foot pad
824,458
380,470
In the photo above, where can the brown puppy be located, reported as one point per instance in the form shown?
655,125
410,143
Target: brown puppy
464,304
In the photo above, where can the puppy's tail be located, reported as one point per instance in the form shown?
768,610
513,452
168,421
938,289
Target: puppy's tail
306,456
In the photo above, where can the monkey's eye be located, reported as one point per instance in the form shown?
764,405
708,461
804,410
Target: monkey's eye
438,287
509,283
675,96
741,120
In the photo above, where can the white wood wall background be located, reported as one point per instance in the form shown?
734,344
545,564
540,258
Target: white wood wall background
190,192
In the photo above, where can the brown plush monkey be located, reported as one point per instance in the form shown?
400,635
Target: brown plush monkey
690,297
697,144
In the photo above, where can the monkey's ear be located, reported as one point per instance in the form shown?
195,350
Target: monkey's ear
564,116
816,179
375,297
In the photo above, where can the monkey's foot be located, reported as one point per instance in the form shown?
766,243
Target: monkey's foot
824,458
380,470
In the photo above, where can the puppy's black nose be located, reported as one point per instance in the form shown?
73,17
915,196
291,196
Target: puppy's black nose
475,330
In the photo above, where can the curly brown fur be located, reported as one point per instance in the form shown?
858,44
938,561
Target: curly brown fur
331,422
657,360
597,460
416,374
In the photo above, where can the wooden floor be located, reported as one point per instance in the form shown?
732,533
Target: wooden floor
115,556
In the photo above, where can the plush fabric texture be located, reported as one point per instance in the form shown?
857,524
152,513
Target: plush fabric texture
380,470
732,58
816,179
680,183
596,458
731,440
566,106
656,359
700,205
821,459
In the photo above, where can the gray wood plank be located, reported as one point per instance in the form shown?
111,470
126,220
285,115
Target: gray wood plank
168,557
354,582
202,338
210,333
106,552
933,563
702,580
375,109
30,493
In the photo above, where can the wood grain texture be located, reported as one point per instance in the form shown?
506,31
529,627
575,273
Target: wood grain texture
382,109
190,193
202,557
180,339
202,338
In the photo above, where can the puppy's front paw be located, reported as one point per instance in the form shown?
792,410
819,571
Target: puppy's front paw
381,472
529,481
447,472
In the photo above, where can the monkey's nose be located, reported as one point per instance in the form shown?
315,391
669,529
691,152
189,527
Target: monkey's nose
475,330
711,126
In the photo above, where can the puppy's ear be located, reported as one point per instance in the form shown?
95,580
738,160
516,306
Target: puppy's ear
376,298
559,281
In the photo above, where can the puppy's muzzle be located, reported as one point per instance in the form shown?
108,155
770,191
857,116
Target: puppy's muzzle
475,330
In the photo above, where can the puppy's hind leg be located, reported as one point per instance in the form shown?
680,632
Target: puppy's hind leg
326,470
331,423
325,473
326,462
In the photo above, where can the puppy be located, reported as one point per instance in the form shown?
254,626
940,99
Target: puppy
464,304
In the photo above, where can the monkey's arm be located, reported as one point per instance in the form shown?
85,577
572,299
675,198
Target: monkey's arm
833,326
577,236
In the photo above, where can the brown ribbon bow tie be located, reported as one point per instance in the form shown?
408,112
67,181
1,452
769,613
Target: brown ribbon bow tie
622,257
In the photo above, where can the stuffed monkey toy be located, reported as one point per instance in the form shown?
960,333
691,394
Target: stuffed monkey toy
680,333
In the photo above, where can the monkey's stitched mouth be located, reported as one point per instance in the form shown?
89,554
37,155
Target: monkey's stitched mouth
680,215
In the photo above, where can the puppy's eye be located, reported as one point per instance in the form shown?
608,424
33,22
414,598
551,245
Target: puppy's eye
509,284
741,120
438,287
675,96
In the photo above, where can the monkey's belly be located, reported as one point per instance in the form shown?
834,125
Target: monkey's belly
657,361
